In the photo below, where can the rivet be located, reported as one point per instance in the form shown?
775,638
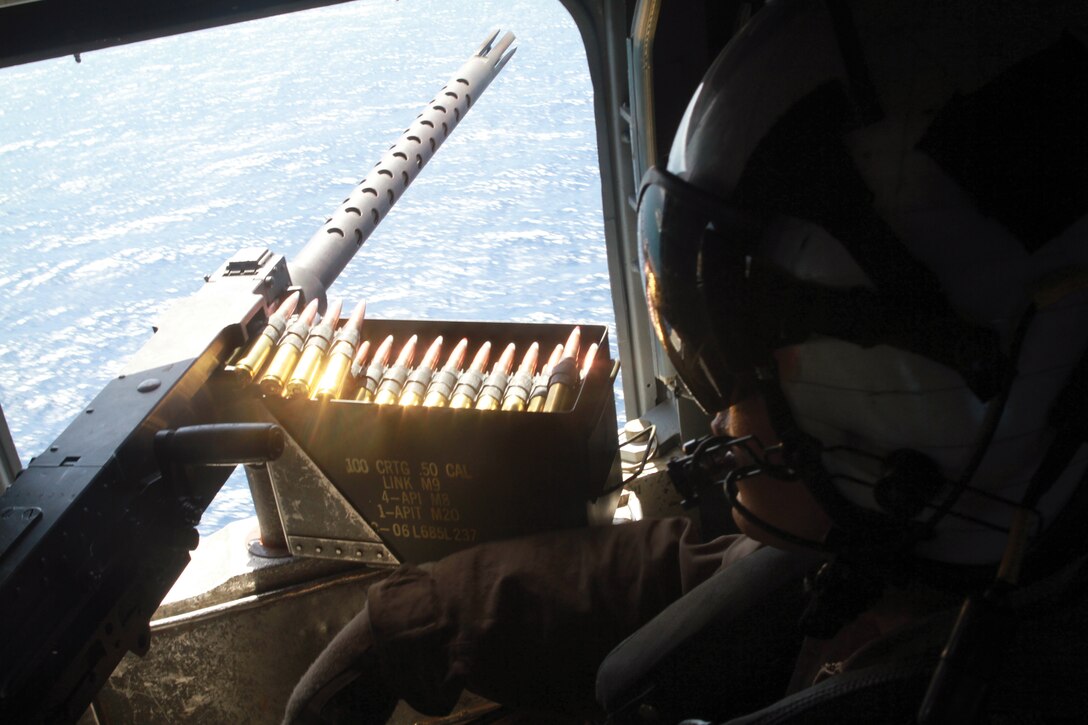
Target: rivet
148,385
358,552
298,547
339,551
317,549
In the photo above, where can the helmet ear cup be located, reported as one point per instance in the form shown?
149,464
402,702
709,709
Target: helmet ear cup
909,482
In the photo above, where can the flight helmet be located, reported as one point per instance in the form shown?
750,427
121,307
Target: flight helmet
875,215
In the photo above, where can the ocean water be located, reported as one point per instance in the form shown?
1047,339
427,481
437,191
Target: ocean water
126,177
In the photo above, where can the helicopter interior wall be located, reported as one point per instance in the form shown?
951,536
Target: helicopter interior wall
688,38
33,30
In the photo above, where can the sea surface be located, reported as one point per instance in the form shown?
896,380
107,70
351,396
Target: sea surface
127,176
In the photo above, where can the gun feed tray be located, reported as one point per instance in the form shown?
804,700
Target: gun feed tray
388,483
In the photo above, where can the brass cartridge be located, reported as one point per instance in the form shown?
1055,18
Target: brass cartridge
563,380
308,368
356,369
337,363
287,352
415,387
393,378
539,392
263,344
359,361
443,381
490,395
468,385
587,363
369,378
338,360
516,397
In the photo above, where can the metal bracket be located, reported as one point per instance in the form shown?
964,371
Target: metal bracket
318,520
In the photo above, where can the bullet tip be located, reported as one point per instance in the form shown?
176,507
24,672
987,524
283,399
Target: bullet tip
287,307
482,355
506,360
357,316
361,353
332,314
408,351
556,356
573,343
430,358
587,364
457,357
310,311
532,355
381,355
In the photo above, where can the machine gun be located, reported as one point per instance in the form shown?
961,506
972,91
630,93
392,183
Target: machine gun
97,528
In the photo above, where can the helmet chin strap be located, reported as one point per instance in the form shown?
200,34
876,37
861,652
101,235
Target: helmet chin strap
711,462
872,535
732,492
844,586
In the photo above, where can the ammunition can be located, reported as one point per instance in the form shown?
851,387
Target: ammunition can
387,484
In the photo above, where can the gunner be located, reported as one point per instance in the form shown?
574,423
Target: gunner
869,251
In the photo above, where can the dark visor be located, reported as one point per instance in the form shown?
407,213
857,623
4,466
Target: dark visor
720,310
700,319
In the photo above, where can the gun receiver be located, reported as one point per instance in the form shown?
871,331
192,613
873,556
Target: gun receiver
94,532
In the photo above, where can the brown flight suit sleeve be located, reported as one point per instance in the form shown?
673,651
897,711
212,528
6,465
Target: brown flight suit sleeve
527,622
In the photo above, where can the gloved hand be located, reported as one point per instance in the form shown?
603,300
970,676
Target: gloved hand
344,684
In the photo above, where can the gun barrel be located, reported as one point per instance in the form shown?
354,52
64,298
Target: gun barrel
334,244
